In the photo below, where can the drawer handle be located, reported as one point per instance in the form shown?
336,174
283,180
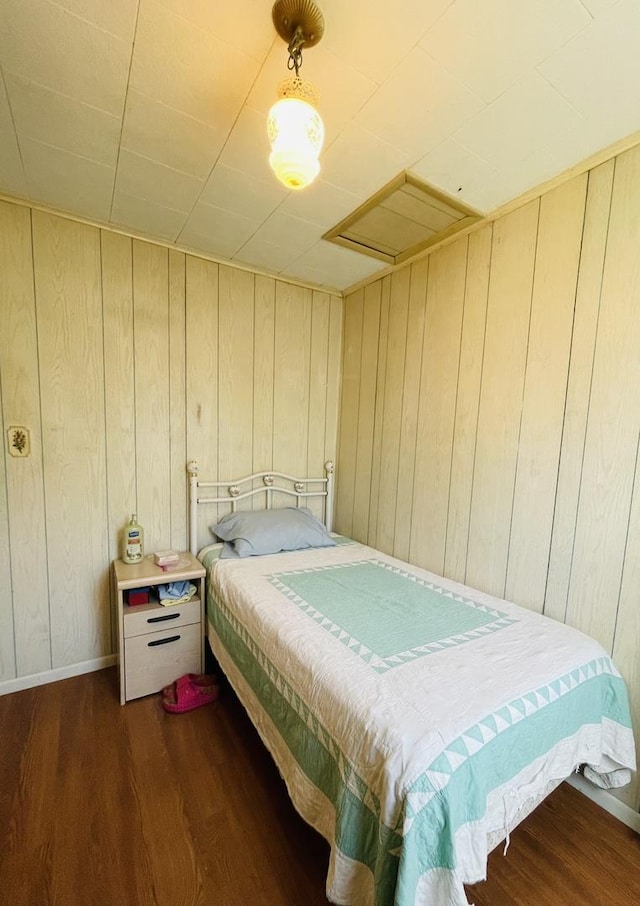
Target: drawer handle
171,638
167,616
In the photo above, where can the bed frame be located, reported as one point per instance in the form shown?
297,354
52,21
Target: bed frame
268,484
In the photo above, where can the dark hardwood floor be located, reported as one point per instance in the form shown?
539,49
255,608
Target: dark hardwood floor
102,805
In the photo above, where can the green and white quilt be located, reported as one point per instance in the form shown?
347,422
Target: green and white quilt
411,717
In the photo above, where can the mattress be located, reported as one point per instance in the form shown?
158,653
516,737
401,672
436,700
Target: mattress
412,718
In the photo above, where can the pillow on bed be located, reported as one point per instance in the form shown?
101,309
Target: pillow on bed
255,532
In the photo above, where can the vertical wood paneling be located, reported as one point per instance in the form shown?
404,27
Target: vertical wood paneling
263,363
614,420
410,400
7,637
626,639
117,363
70,347
392,411
119,397
552,307
119,378
352,355
510,285
177,402
291,386
366,411
594,242
543,502
320,320
378,423
467,402
436,414
202,375
320,317
334,380
151,357
235,372
24,573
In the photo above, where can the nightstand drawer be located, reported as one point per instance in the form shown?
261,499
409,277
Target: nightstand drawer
158,658
151,618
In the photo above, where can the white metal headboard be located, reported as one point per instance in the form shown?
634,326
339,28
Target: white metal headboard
272,483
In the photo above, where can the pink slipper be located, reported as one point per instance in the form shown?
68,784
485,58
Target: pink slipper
189,692
203,680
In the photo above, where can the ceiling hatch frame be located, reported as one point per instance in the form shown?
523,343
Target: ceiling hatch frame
402,219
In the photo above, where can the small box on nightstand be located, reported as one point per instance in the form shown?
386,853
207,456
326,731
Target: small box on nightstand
137,596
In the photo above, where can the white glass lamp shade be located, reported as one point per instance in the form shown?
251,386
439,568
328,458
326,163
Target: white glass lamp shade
296,133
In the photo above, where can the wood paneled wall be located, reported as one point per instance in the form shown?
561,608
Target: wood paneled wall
491,410
125,359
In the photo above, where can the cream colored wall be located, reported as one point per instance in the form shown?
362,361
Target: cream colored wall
124,359
491,410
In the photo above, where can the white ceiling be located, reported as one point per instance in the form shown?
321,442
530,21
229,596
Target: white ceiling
150,114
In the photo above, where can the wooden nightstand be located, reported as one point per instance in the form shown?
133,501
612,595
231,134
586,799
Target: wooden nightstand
157,644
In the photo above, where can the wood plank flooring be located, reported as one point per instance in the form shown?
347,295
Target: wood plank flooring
102,805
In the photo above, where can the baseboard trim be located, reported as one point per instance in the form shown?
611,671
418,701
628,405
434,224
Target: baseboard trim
58,673
605,800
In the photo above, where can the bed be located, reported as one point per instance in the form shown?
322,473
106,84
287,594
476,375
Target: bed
414,720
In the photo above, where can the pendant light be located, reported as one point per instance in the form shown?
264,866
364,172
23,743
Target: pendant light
294,126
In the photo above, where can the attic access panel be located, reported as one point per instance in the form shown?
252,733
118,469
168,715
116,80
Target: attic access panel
402,219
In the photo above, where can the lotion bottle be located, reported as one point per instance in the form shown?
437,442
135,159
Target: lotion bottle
133,547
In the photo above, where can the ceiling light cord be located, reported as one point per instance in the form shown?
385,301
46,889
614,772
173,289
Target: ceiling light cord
295,51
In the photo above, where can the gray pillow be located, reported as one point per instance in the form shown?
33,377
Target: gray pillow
255,532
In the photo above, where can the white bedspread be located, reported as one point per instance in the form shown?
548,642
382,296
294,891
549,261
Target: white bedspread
411,717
